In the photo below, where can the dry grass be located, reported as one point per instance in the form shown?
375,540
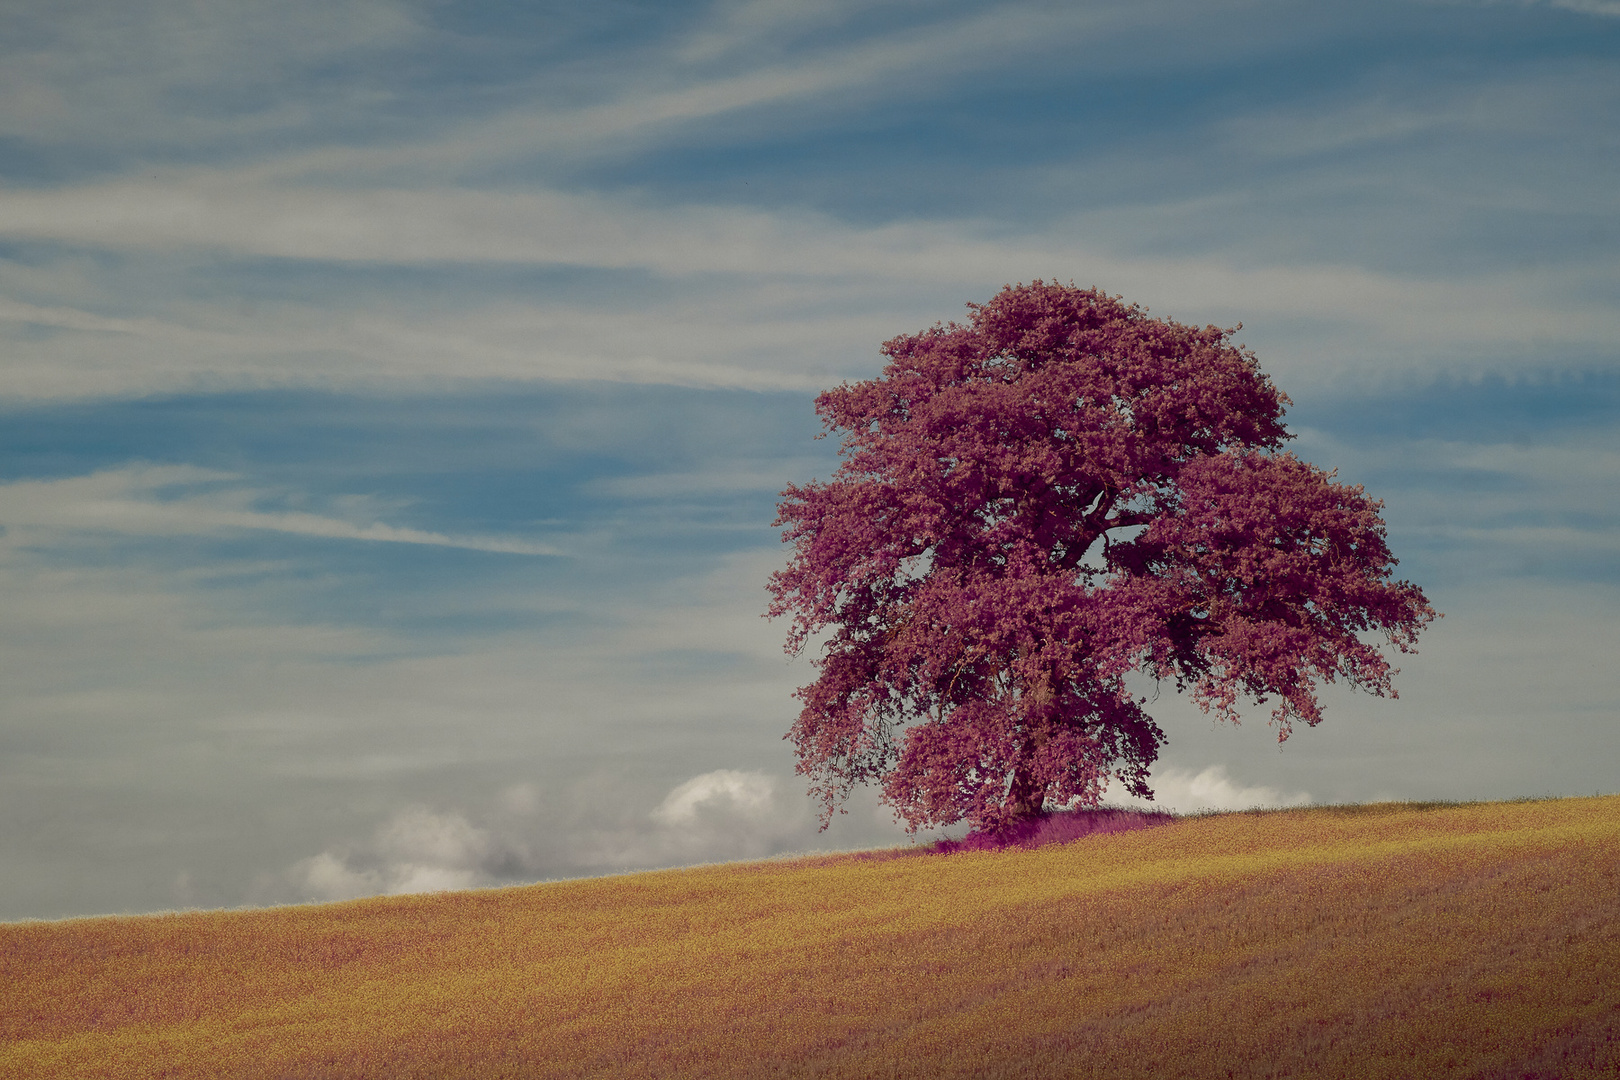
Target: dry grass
1387,941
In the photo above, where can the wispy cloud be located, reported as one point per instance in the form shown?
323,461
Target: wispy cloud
178,500
689,287
1545,104
723,478
731,63
1607,8
1547,509
1589,7
749,298
171,72
165,71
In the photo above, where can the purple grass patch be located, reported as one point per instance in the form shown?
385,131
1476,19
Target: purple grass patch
1057,827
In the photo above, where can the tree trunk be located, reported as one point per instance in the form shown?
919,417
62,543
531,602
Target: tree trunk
1025,798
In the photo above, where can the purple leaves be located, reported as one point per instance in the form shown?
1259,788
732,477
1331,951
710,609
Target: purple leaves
1036,504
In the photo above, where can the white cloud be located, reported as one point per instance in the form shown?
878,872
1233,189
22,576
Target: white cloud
180,500
417,850
427,842
731,814
716,816
722,815
1183,791
724,792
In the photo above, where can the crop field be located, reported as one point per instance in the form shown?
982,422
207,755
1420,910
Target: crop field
1396,940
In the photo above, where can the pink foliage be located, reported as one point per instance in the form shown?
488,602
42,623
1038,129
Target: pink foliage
1032,506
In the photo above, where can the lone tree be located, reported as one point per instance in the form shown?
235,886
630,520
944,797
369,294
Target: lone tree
1033,505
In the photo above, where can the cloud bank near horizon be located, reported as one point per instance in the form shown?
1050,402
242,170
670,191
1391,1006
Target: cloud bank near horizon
724,815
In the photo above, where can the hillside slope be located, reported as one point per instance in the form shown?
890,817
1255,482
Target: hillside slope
1381,941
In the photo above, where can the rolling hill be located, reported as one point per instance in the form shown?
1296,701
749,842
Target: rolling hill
1390,940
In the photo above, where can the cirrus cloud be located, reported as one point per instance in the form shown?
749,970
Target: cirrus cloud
182,500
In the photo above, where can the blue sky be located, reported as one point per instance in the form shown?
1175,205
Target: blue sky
394,396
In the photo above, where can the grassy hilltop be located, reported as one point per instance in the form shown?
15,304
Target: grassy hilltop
1383,941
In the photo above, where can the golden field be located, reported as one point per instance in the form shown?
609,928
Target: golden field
1394,940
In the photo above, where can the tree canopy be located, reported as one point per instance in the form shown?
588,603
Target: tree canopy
1033,505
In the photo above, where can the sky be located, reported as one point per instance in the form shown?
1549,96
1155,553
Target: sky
395,396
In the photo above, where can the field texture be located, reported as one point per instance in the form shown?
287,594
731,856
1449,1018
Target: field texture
1383,941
